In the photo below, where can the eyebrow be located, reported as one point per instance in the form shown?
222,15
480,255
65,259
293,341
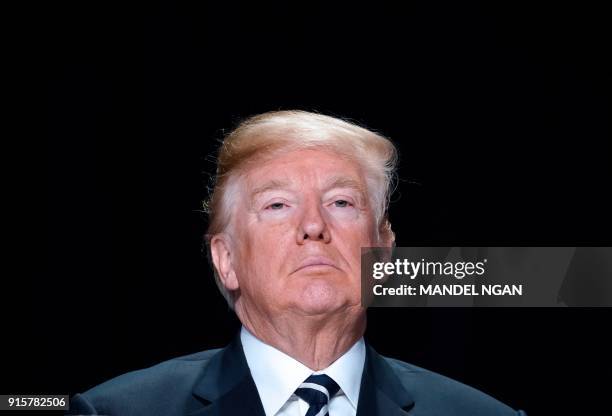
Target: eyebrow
271,185
332,183
344,182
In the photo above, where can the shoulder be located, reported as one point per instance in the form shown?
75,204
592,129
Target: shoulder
173,379
444,395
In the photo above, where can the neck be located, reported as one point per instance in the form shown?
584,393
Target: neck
315,341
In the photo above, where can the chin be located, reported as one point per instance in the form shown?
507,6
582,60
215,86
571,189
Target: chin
319,297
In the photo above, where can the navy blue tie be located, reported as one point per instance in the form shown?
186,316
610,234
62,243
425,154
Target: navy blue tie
317,390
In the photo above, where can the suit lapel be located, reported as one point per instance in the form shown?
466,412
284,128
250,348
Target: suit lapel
381,391
226,387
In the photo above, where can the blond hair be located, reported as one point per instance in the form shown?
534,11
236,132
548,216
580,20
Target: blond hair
264,136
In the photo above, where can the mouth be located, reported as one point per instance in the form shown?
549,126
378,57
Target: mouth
314,263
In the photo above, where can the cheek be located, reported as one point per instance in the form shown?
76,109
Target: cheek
265,247
349,240
267,236
358,233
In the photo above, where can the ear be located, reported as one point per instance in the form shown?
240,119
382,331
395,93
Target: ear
387,236
221,250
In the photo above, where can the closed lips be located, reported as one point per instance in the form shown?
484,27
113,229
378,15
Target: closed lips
316,261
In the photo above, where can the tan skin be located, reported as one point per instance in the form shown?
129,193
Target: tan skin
292,257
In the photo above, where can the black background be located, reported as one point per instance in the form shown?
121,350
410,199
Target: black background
500,112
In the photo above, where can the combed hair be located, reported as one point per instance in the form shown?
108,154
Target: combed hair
264,136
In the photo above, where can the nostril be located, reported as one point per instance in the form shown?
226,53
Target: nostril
321,236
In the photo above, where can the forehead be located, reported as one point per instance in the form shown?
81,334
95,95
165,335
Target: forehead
317,166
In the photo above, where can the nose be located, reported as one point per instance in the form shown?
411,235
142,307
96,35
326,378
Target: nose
313,225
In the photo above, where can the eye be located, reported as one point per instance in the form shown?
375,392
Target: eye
276,206
342,203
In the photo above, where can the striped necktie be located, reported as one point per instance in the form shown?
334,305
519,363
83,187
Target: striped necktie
317,390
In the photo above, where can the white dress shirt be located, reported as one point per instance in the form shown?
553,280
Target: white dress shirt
277,376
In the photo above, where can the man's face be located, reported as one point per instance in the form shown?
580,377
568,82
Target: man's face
298,227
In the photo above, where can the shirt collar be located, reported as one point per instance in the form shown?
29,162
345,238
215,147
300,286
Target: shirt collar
277,375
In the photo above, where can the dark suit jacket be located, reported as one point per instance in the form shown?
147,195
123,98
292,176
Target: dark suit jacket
218,382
